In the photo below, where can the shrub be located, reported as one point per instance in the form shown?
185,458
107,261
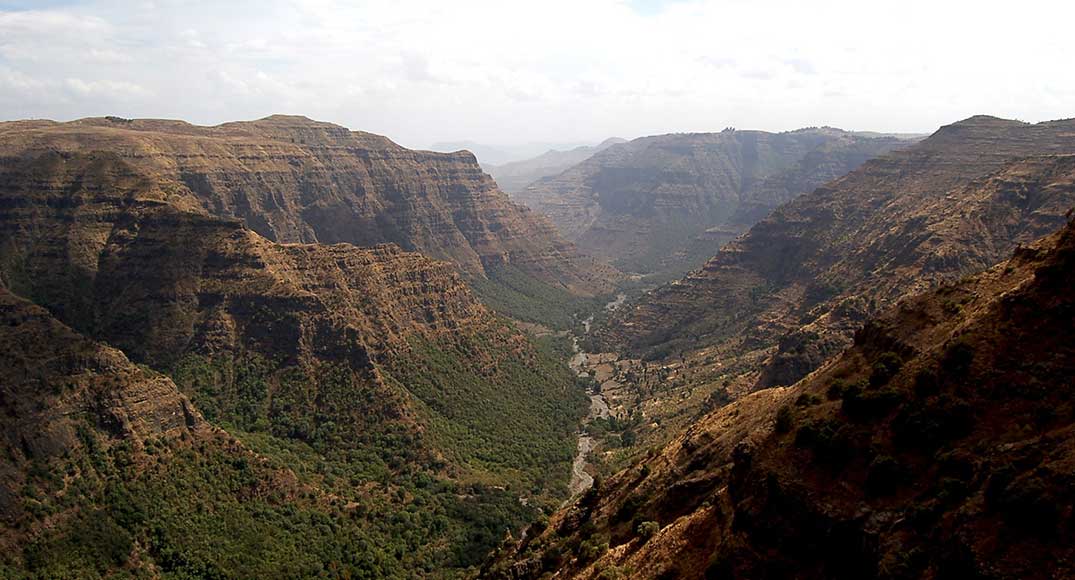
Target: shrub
647,529
885,476
829,440
886,367
926,383
861,405
958,358
628,509
928,426
592,549
785,420
836,389
807,400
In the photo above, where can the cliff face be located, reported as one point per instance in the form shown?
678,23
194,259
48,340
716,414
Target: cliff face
55,381
940,445
791,292
360,367
294,180
640,204
368,359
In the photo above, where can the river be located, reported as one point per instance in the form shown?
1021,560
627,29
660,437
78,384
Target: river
580,479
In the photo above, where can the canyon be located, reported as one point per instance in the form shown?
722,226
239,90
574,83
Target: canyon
939,445
349,371
775,303
285,347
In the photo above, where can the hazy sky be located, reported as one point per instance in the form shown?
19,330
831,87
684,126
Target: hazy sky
541,70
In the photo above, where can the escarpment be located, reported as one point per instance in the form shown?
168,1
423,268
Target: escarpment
939,445
293,180
379,362
665,203
374,372
783,298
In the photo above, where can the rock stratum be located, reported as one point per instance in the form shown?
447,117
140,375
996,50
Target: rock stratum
353,371
940,445
777,302
293,180
665,203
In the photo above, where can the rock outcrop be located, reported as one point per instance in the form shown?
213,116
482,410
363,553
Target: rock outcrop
791,292
642,204
941,445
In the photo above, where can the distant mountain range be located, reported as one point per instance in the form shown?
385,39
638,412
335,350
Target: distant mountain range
663,204
515,176
492,155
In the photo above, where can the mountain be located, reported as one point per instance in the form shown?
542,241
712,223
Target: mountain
776,303
294,180
940,445
513,177
372,375
643,204
492,155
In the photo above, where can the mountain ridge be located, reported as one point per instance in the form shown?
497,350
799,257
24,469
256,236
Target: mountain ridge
803,279
642,204
939,445
296,180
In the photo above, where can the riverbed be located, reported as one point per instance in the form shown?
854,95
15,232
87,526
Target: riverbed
580,479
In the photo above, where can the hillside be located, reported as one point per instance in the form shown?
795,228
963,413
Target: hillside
293,180
359,367
777,302
643,204
940,445
513,177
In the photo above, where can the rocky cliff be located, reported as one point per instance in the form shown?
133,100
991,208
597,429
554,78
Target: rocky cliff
940,445
293,180
791,292
361,364
641,204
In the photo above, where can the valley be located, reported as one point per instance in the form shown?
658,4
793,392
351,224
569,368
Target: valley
322,351
616,290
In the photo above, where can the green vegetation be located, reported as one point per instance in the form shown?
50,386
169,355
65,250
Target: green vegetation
521,296
207,509
420,473
830,440
886,367
647,529
510,418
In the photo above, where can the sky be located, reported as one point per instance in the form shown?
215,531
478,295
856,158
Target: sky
511,72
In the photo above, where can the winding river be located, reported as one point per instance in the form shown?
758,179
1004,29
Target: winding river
580,479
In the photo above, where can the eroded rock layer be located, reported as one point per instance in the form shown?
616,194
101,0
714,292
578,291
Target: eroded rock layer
358,365
791,292
294,180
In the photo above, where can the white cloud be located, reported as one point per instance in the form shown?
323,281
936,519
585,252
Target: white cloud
117,90
565,70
